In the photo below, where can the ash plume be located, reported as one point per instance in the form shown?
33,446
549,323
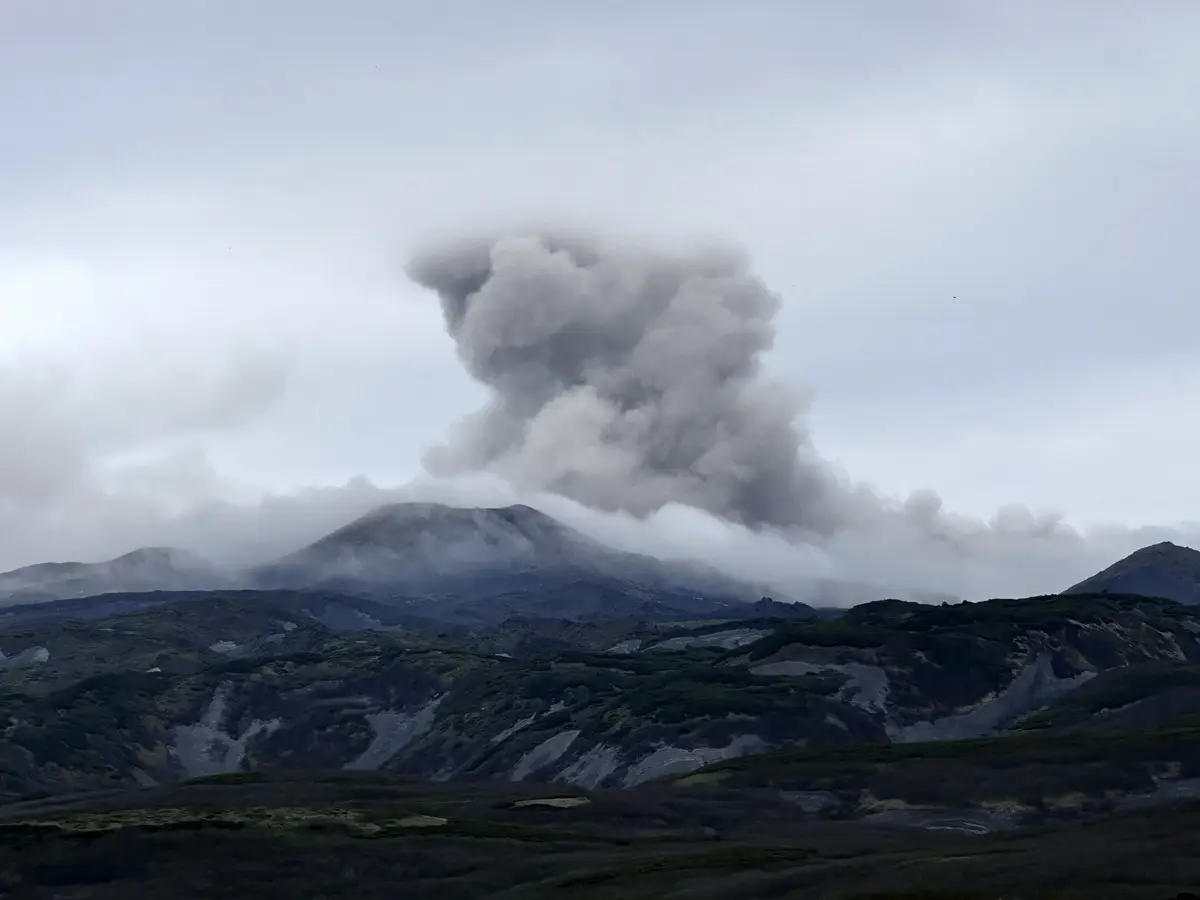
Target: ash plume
627,379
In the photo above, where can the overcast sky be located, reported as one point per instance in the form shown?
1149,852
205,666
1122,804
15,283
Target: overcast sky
981,218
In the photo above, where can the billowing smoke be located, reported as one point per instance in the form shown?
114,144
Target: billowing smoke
627,379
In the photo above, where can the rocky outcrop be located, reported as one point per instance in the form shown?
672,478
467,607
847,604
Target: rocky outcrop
593,768
205,748
1035,686
30,656
393,731
544,754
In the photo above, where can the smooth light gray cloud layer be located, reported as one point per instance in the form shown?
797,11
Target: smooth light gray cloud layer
978,220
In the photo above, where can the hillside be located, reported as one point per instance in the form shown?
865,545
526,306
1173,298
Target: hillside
484,565
328,745
1162,570
979,786
429,542
466,566
148,569
207,684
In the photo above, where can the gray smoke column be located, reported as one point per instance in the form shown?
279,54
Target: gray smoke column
626,378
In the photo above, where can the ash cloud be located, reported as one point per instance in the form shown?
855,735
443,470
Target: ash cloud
629,378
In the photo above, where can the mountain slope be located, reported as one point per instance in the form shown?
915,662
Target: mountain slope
1161,570
495,562
147,569
426,542
466,566
261,681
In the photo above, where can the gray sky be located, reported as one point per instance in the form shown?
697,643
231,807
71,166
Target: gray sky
979,216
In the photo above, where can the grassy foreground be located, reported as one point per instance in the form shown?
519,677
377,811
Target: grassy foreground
373,837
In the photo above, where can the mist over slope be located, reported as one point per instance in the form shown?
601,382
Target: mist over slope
146,569
428,546
484,559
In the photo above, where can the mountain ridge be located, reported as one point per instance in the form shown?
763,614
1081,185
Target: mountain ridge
146,568
472,556
1164,570
400,552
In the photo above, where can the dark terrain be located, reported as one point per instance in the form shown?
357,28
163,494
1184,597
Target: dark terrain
536,715
1162,570
315,835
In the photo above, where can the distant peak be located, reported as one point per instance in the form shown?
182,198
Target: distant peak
1164,569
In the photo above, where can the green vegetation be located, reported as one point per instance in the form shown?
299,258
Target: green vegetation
1140,695
96,718
947,657
98,715
1044,774
362,837
957,626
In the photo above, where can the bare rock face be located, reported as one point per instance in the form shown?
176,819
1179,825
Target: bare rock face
544,754
1035,686
207,747
393,731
